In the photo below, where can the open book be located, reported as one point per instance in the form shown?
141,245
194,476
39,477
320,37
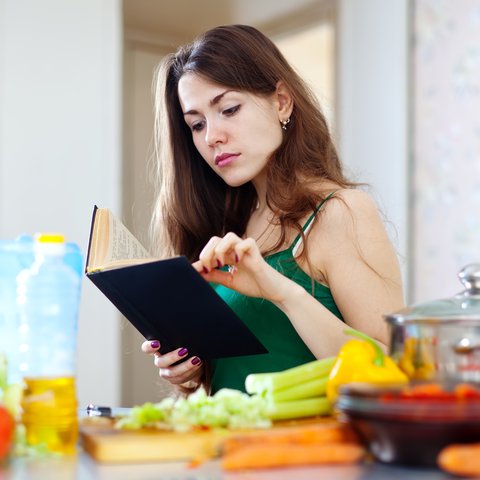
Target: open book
164,299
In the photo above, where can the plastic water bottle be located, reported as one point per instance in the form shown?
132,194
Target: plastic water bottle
14,255
48,296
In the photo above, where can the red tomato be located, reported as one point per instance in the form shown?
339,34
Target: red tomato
429,391
7,427
467,392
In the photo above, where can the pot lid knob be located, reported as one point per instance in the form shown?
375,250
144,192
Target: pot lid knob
470,277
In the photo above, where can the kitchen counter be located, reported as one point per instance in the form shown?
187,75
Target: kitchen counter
83,467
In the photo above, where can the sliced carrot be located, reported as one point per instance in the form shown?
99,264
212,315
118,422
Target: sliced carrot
460,459
284,455
303,434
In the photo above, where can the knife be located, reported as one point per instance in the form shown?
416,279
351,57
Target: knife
109,412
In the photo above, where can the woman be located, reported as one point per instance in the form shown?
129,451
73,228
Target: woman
250,179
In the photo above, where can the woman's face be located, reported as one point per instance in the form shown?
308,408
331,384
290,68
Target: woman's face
234,131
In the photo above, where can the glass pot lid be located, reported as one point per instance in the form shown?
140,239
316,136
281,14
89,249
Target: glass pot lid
462,308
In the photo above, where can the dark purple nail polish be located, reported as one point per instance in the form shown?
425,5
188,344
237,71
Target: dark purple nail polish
236,258
155,344
196,361
219,263
182,352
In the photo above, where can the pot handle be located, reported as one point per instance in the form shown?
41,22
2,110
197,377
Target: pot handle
465,346
470,278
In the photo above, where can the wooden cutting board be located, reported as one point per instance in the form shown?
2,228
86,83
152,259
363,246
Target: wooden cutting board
107,444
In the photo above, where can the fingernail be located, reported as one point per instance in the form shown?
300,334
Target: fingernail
196,361
236,258
219,263
205,270
182,352
155,344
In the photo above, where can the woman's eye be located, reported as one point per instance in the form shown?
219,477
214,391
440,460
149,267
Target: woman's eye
198,126
231,111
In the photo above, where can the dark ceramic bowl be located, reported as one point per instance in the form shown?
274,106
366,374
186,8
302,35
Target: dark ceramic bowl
410,431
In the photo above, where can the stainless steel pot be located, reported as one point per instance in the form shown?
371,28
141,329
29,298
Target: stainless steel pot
440,340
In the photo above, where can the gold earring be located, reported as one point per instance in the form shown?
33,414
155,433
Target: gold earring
285,123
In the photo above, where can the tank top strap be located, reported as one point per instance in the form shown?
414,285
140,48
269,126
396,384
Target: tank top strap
307,225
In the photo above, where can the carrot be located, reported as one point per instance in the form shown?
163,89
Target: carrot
301,434
460,459
283,455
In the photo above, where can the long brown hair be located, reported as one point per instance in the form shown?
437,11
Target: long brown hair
193,202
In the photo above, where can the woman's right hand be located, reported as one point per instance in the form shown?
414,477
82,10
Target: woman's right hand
189,370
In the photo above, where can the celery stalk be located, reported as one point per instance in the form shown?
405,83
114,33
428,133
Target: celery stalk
307,407
311,388
262,383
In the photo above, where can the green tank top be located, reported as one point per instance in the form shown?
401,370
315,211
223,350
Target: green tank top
270,325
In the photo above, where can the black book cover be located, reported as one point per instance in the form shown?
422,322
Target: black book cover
168,300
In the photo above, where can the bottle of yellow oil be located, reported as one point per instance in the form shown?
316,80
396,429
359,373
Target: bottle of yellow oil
48,295
50,413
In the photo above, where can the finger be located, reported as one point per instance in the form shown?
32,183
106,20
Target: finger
247,246
219,276
207,256
224,251
198,266
168,359
182,372
150,346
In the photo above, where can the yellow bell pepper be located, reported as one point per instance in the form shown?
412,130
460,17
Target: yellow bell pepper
416,360
364,361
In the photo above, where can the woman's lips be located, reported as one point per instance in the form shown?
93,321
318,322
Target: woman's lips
225,159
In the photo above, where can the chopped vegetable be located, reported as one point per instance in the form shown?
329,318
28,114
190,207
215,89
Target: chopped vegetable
3,373
303,433
262,383
7,422
311,388
296,392
282,455
10,398
305,407
459,459
7,430
10,393
228,408
462,392
363,361
328,442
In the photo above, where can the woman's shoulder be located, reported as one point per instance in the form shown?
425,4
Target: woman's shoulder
348,210
349,223
349,200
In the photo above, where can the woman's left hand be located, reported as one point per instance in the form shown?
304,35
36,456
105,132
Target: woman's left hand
248,273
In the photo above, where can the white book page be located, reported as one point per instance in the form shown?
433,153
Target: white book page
123,245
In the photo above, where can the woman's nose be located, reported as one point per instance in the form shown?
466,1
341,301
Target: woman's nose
215,134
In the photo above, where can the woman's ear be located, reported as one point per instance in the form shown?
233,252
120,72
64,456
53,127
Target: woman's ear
285,101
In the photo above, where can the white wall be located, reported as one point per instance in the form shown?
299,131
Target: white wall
446,145
60,118
140,379
373,104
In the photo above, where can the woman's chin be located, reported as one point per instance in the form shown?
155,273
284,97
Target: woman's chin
235,182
